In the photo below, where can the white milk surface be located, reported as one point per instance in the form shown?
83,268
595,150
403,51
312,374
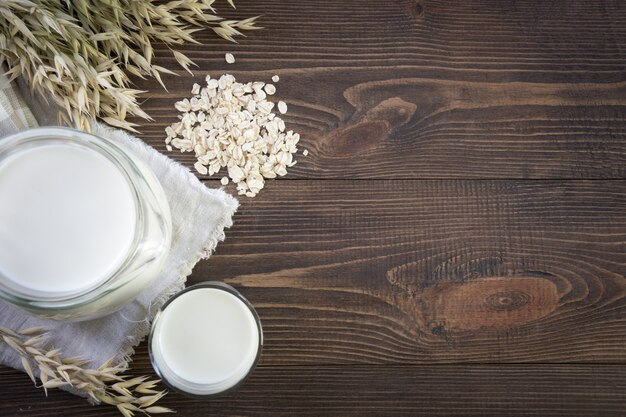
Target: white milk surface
67,219
205,341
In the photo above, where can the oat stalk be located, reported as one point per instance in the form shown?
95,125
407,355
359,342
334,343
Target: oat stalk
103,385
80,53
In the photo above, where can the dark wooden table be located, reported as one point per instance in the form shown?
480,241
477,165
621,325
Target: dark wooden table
455,242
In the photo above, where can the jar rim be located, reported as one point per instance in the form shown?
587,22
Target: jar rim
153,330
114,154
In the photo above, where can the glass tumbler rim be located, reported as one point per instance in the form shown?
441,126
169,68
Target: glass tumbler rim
213,285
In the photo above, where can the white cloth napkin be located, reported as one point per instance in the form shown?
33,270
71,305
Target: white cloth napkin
199,216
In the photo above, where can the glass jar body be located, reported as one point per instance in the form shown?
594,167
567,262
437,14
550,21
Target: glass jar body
147,251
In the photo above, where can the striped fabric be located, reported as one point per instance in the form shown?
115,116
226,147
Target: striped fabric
14,112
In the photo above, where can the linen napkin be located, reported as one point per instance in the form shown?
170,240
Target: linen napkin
199,217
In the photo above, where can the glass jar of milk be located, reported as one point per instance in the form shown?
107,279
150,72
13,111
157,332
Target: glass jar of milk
84,225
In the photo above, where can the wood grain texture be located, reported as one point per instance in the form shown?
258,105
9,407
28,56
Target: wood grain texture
455,242
433,89
432,271
514,390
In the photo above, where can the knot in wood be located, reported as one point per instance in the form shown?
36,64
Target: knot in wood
507,300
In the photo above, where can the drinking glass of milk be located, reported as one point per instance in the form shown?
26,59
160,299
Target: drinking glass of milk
84,225
205,340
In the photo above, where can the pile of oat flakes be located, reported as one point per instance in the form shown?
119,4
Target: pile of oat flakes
230,124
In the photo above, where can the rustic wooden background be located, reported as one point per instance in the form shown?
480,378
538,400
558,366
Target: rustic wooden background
455,242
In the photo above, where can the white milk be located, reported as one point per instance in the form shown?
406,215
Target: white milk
205,341
67,219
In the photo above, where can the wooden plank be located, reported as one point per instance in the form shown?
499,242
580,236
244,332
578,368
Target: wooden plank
434,89
432,271
366,280
488,390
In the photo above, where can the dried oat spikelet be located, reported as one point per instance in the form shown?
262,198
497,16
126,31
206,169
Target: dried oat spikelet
103,385
80,53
